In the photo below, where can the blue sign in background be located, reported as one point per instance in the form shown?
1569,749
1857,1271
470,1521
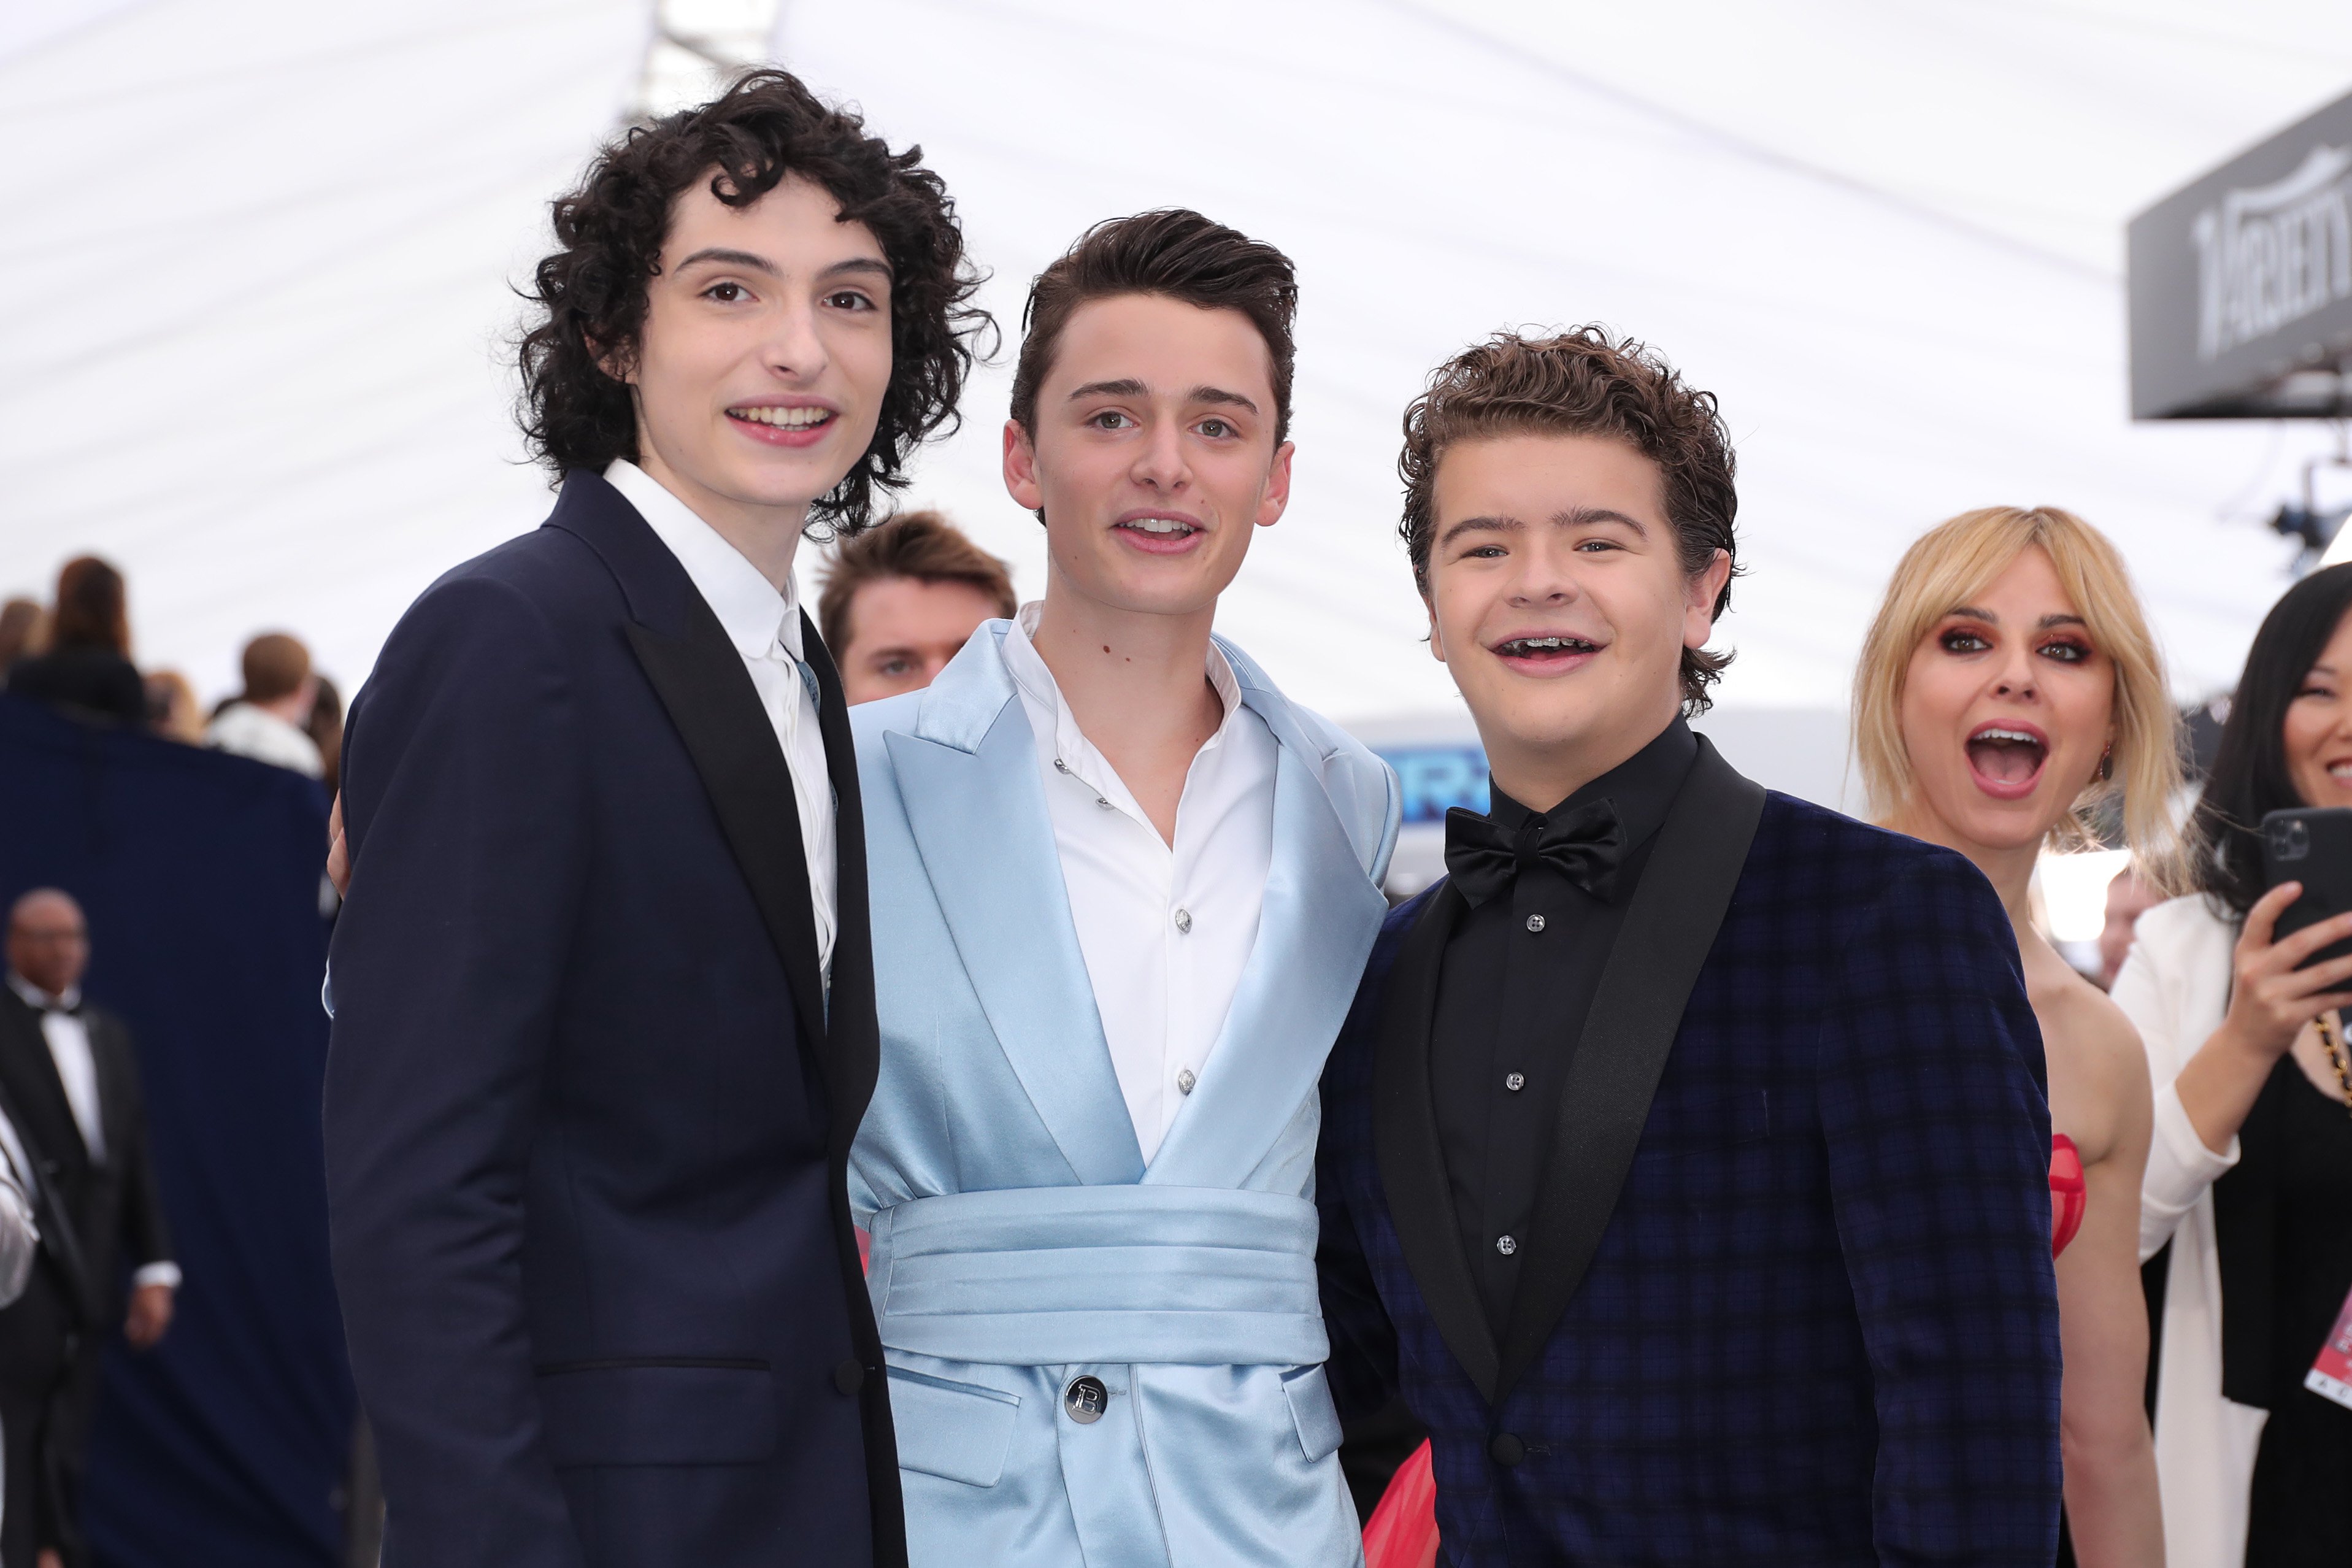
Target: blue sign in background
1437,778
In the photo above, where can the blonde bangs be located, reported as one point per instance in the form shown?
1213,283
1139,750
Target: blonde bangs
1957,559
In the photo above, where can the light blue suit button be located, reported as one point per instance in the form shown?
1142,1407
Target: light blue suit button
1086,1399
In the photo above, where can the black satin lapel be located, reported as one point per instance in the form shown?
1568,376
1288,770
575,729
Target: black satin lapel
700,678
852,1034
1404,1139
853,1057
1671,925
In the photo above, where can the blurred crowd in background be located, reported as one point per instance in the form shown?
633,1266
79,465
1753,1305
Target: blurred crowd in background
75,653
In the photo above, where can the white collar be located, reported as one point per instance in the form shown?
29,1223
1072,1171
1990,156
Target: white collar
753,615
40,1000
1029,672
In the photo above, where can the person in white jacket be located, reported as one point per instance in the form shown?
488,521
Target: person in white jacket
2231,1021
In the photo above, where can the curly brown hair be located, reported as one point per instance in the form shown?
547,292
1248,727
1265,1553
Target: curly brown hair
609,233
1584,383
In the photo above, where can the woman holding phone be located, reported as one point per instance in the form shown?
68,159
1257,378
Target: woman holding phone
2250,1179
2008,687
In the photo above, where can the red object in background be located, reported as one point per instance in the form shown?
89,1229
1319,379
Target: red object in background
2068,1195
865,1249
1404,1529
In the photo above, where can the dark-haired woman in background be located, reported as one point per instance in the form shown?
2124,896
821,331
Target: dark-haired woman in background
87,666
2250,1176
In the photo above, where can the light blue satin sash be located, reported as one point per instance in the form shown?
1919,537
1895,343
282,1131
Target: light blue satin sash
1054,1276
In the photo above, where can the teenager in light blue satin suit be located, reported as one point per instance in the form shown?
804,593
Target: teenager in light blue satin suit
1122,893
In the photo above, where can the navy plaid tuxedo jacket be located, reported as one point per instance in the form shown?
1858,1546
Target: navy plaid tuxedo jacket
1817,1322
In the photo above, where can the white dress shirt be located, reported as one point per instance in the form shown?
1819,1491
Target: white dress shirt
246,731
1166,931
68,1041
765,627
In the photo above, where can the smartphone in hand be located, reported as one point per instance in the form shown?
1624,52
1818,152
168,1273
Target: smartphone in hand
2311,844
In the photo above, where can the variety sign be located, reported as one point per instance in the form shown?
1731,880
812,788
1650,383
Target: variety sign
2242,284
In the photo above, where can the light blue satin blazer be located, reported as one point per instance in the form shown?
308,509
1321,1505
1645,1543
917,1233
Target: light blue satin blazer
1021,1243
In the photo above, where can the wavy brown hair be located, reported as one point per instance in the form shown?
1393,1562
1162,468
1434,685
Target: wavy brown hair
1584,383
592,291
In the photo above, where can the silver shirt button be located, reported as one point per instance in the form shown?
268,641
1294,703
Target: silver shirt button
1515,1081
1535,922
1085,1400
1186,1080
1507,1245
1184,920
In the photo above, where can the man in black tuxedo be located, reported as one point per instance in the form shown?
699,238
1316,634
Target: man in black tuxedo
1685,1157
603,988
70,1084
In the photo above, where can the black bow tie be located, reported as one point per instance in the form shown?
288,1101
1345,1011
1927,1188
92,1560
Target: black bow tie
1587,846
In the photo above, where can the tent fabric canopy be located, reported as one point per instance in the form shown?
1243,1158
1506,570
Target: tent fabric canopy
254,310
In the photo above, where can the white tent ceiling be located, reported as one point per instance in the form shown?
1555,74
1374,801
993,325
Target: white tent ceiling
254,285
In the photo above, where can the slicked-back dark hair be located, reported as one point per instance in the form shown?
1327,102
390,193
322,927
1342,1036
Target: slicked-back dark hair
609,234
1176,253
1584,383
2251,775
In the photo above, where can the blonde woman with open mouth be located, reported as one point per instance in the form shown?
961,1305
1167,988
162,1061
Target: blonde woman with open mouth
2007,687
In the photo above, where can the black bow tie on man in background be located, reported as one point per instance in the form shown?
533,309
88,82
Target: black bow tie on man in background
1587,846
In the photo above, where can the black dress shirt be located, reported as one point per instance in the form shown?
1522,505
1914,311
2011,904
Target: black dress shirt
1519,976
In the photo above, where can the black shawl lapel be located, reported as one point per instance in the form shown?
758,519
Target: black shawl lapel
1670,927
852,1062
854,1058
1405,1140
702,680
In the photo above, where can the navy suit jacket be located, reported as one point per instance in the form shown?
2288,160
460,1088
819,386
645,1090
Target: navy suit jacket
587,1119
1786,1296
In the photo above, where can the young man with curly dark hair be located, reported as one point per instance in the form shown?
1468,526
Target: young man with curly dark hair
603,990
1683,1157
1123,889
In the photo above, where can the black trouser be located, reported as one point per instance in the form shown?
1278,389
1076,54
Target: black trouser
38,1363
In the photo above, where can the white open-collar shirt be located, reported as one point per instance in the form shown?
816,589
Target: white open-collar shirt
1166,929
764,624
